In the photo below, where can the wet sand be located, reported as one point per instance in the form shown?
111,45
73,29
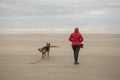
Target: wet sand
99,59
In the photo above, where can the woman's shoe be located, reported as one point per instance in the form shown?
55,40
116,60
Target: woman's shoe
76,63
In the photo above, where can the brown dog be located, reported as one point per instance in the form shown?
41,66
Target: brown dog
45,50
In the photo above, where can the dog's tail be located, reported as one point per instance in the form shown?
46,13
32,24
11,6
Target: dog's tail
39,49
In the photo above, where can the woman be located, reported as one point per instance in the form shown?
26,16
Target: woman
76,39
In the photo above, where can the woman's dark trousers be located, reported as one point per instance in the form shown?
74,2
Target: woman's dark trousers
76,49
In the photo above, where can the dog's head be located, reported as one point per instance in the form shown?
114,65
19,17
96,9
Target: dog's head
48,44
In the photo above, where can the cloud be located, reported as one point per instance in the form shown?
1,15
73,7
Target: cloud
52,7
59,13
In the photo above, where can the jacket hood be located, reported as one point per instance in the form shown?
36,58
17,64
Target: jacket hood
76,30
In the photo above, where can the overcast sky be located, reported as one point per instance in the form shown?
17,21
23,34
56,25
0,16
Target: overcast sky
59,13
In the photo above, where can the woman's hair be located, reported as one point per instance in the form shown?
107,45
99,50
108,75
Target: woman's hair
76,28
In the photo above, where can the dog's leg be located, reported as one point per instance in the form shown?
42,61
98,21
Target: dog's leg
48,54
45,54
42,56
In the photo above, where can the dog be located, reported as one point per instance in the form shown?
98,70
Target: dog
45,50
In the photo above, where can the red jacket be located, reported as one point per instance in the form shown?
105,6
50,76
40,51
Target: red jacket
76,38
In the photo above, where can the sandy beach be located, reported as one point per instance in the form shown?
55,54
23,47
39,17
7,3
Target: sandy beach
99,59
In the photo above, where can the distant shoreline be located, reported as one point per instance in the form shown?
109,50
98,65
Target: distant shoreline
59,35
